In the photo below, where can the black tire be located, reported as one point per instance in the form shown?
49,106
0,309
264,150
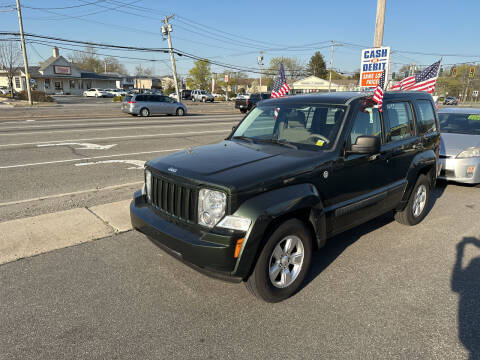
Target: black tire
193,99
180,112
259,283
144,112
407,216
243,111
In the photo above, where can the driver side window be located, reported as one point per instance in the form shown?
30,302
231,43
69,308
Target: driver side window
367,123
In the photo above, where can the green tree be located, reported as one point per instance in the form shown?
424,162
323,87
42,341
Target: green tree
316,66
200,75
87,59
294,68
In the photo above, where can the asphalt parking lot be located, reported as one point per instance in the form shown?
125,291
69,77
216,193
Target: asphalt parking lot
380,291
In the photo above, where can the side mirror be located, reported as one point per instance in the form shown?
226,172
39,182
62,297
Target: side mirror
366,145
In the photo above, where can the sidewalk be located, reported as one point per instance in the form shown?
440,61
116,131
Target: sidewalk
39,234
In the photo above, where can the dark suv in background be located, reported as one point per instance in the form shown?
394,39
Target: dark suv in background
295,172
246,103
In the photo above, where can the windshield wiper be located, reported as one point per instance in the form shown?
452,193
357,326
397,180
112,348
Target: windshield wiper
246,138
279,142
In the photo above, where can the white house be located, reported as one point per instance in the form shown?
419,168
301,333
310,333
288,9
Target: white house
57,75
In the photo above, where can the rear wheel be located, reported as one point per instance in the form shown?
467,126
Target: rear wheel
283,263
193,99
204,100
144,112
180,112
416,209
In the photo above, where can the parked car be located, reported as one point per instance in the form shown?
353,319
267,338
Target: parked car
116,92
294,172
450,100
246,103
147,105
186,94
202,95
4,90
96,93
460,151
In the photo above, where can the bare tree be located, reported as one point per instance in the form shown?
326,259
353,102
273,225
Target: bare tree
10,60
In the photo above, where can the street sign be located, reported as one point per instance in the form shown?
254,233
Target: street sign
372,64
227,78
471,73
475,93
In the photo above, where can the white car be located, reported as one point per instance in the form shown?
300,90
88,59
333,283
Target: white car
116,92
95,92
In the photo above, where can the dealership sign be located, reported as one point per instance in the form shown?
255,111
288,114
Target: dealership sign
63,70
373,62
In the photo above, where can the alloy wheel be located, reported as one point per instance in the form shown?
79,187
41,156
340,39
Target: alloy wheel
420,200
286,261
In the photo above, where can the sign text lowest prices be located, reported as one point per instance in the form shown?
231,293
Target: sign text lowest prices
373,62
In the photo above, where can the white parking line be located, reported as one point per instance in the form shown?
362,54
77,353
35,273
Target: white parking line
121,137
70,193
87,158
116,128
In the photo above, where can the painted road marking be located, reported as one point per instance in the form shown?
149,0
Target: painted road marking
125,128
123,137
137,164
79,192
87,158
83,146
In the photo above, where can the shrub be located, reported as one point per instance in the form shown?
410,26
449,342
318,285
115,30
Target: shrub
37,96
118,98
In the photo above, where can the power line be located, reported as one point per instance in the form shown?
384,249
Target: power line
65,7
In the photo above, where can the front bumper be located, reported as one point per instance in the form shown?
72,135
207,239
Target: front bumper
454,169
208,252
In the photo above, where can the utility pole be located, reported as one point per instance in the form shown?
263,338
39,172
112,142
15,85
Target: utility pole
24,50
260,63
379,23
331,64
166,30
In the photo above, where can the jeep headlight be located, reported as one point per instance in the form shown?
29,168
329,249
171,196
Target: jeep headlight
469,152
147,187
211,207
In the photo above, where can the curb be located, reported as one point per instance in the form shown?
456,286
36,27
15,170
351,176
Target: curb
35,235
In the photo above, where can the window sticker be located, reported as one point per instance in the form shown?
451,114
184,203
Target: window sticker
320,143
370,113
474,117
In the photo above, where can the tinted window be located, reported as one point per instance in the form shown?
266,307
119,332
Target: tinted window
367,123
460,123
265,96
127,98
426,116
141,98
398,121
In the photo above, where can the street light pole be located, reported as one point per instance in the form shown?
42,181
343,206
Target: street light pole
24,51
379,23
166,30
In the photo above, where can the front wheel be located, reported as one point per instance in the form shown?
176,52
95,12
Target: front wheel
243,111
416,209
283,263
193,99
180,112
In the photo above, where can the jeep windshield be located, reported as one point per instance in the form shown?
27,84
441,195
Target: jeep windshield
304,126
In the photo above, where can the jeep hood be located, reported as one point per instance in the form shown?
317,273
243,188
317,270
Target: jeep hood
234,165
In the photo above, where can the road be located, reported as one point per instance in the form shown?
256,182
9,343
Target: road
50,155
380,291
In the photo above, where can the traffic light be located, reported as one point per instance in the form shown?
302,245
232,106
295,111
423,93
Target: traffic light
454,71
471,73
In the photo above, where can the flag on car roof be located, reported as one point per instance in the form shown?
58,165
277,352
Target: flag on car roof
378,92
425,81
280,86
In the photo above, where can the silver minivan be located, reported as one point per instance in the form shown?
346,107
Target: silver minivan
147,105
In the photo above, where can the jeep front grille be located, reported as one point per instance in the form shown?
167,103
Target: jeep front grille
178,200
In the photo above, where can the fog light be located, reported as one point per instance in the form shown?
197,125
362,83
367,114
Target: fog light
235,223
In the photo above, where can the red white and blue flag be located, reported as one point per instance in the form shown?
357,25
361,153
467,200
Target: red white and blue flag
280,86
425,81
378,92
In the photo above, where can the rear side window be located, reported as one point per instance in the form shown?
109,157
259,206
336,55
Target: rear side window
140,98
426,117
398,121
127,98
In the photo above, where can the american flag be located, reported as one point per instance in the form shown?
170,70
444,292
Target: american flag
378,92
425,81
280,86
